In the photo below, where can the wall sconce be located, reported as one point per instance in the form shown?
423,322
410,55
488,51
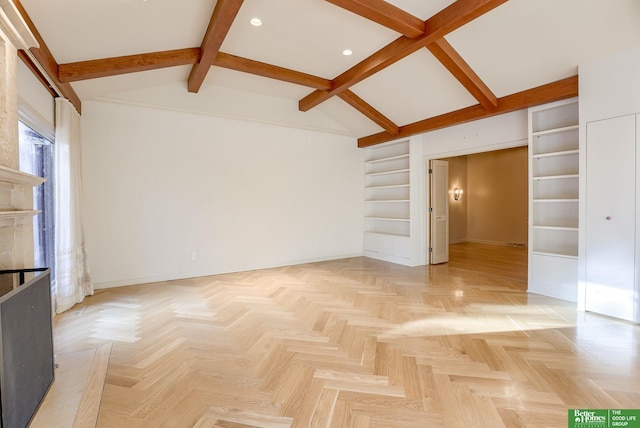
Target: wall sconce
457,194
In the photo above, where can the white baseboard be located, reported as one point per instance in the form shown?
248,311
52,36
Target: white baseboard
174,277
504,244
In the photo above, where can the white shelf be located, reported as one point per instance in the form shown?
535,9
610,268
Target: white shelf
395,171
555,130
390,158
395,235
541,227
556,177
387,200
391,186
387,218
544,201
543,253
552,154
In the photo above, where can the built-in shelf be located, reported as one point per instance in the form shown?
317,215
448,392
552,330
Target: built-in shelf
387,218
552,154
555,130
553,199
387,234
387,202
389,158
556,177
555,228
395,171
387,189
555,254
390,186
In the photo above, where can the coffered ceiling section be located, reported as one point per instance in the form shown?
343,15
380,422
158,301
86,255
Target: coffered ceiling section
414,65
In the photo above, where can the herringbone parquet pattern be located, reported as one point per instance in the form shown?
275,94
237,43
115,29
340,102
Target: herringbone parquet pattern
350,343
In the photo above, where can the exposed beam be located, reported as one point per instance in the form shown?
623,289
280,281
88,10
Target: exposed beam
105,67
450,18
385,14
447,55
559,90
272,71
411,26
224,13
359,104
93,69
48,63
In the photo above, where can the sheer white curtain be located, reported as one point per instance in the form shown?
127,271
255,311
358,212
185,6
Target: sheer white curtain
72,282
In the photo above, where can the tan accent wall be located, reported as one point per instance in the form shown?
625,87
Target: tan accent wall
496,196
493,208
457,209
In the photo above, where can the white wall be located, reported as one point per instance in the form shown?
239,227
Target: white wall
159,185
610,86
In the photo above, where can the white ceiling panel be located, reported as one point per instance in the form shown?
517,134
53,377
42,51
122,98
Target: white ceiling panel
414,88
420,8
304,35
106,86
351,119
78,30
250,82
231,103
527,43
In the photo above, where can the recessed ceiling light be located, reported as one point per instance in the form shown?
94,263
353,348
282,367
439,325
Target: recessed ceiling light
256,22
347,52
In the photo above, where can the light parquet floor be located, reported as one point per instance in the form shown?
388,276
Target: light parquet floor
346,343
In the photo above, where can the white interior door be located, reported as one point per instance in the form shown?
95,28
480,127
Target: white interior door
439,212
610,217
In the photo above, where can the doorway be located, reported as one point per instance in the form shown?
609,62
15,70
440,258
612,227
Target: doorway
489,209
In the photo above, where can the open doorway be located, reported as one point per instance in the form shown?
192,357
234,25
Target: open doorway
488,214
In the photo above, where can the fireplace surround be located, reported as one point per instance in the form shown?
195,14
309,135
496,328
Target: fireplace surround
26,348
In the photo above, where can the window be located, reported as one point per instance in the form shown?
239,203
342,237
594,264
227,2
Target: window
36,157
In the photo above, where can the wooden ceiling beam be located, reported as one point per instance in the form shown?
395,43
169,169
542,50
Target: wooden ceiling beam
106,67
385,14
439,25
559,90
363,107
48,63
458,67
258,68
223,16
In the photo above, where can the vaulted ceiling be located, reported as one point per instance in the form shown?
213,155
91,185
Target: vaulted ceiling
416,65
